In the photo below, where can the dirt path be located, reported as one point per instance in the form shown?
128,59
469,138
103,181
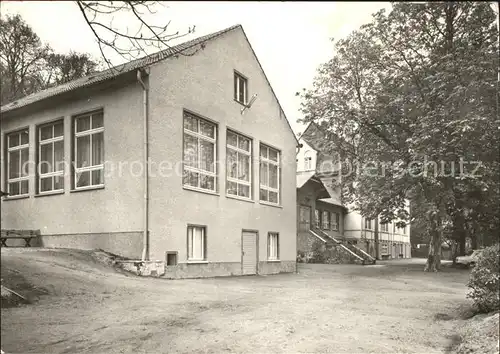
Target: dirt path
325,308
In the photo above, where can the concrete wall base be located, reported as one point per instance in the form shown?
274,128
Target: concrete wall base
224,269
125,244
143,268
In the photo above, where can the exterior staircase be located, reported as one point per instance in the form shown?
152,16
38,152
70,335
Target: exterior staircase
356,253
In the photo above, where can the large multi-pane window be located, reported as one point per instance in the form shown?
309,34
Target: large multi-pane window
269,174
51,157
17,163
384,227
317,218
196,243
326,220
200,144
273,249
368,224
89,150
239,165
335,219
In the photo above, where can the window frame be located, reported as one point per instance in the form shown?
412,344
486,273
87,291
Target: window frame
204,243
237,79
325,221
239,151
384,227
8,149
307,160
90,132
268,162
334,226
52,141
276,248
199,136
369,221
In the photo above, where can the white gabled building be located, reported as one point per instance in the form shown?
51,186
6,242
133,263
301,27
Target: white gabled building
314,164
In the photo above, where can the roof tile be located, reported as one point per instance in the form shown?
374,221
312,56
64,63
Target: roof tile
110,73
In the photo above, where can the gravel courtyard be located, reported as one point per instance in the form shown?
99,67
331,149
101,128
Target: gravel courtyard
392,307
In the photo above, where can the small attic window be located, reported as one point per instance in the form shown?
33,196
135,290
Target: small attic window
240,88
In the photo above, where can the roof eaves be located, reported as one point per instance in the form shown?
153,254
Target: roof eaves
110,73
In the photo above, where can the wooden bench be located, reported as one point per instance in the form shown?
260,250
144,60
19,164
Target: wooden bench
26,235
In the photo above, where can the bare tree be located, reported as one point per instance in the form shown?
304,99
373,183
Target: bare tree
21,55
141,35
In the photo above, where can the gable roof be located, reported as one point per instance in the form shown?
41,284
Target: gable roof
269,84
303,177
110,73
308,133
131,66
323,140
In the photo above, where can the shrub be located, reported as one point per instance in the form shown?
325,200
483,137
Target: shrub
318,253
484,280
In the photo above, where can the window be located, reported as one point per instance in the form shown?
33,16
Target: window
200,144
171,258
394,227
196,243
404,230
307,161
239,165
240,89
89,150
335,219
384,227
269,174
317,218
273,246
51,157
368,224
326,220
17,163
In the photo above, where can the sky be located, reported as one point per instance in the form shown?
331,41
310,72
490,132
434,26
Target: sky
291,39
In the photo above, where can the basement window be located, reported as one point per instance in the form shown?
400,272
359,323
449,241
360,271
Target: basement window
171,258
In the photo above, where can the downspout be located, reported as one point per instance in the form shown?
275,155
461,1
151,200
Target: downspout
145,232
298,214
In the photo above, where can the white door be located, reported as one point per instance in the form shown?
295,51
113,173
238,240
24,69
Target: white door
249,253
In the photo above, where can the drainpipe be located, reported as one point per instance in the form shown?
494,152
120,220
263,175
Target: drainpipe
298,215
145,235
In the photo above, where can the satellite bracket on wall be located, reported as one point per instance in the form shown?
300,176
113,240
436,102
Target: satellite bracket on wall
249,104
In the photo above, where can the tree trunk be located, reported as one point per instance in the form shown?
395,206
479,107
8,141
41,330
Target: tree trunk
474,241
455,251
434,258
461,241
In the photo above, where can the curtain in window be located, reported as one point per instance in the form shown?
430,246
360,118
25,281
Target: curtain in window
196,243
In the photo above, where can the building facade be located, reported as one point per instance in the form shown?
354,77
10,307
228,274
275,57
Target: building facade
183,158
327,212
